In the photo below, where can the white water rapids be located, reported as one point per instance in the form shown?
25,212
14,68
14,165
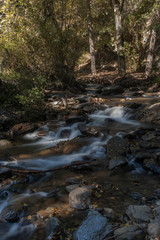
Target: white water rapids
94,149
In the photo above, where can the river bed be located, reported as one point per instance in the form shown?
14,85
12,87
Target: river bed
25,196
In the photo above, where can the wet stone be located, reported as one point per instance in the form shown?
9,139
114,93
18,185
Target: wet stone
12,216
79,198
154,227
131,232
5,143
142,155
71,187
84,167
117,162
51,226
112,90
22,128
95,227
137,196
84,98
81,105
139,213
74,180
152,165
156,211
109,213
134,105
72,120
116,147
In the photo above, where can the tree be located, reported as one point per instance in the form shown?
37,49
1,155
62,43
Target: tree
91,40
153,26
118,9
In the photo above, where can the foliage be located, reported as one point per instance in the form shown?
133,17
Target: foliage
42,41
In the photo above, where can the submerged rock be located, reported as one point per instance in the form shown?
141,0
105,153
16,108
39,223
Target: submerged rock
95,227
139,213
79,198
131,232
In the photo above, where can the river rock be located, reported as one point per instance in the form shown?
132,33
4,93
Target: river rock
12,216
23,128
94,131
74,180
151,114
72,120
111,90
154,228
156,211
51,226
79,198
84,98
152,165
95,227
4,143
117,162
65,147
116,147
134,105
109,213
81,105
71,187
131,232
139,213
140,156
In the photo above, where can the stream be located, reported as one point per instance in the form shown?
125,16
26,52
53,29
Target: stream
25,197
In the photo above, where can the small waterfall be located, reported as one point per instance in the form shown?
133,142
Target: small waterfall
118,114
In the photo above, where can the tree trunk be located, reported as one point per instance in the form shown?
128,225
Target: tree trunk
119,38
91,40
150,56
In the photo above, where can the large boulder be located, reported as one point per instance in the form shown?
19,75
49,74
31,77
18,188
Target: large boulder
131,232
139,213
116,147
79,198
112,90
95,227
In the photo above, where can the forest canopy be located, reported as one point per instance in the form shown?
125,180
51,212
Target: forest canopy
44,41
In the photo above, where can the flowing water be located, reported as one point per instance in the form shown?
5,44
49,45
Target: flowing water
30,193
